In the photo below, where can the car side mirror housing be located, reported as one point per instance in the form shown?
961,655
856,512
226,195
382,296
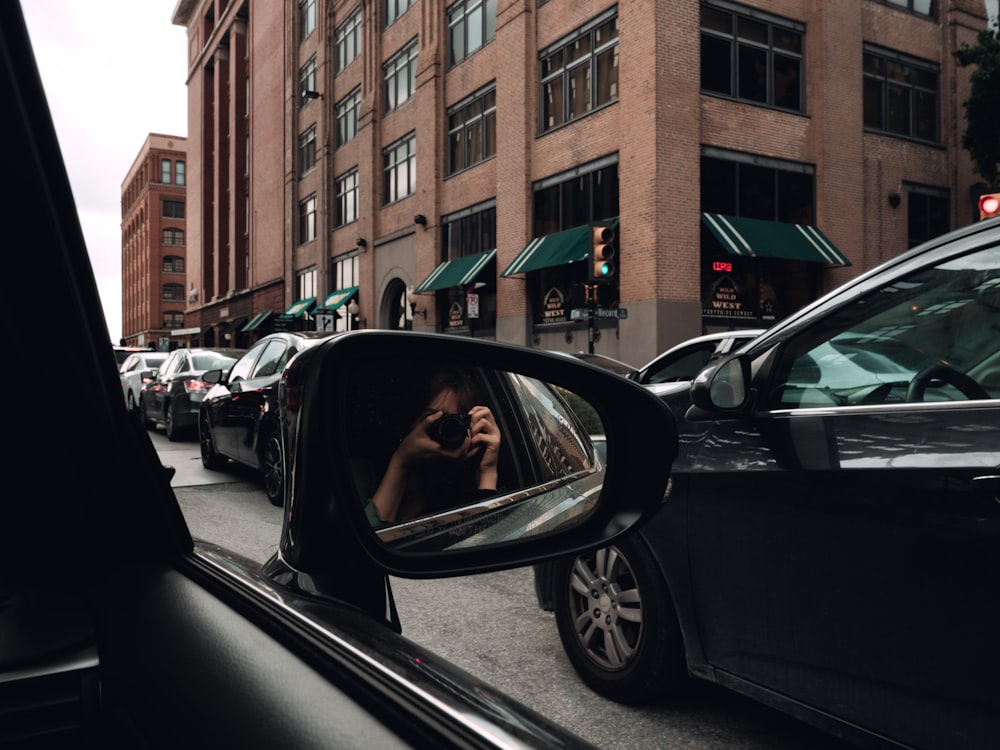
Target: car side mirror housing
213,376
723,386
501,471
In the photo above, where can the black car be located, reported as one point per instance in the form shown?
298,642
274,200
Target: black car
238,415
118,630
831,540
173,397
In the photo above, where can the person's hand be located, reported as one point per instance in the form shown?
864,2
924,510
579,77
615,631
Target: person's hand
484,442
418,446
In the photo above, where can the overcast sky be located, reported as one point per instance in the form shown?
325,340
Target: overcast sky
114,71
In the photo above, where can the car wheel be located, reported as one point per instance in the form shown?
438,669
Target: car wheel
272,465
617,623
169,423
209,458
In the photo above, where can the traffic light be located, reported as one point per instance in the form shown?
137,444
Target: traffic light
600,265
989,205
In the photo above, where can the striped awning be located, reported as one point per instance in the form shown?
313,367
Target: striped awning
459,272
773,239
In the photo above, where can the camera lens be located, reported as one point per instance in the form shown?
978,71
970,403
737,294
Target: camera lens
450,430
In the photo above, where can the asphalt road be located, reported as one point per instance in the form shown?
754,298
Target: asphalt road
491,626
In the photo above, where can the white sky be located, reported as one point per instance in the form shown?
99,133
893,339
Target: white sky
114,71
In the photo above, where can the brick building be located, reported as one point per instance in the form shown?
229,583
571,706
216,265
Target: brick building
435,165
154,250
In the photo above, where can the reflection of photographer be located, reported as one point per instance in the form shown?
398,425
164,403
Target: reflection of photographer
448,453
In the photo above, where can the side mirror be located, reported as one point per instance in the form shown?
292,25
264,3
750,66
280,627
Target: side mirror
445,456
213,376
722,386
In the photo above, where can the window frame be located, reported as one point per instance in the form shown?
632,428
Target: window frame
460,19
393,9
346,197
307,80
307,150
172,209
392,165
885,82
738,42
400,68
308,219
561,79
346,113
348,40
307,18
484,121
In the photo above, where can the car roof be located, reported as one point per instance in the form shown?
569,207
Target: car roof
603,361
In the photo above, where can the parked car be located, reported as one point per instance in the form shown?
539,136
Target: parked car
118,630
136,371
122,352
173,398
238,416
831,540
680,363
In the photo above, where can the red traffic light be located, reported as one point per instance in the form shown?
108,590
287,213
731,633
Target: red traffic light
989,205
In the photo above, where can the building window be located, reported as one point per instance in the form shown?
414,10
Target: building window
347,39
173,319
571,199
472,308
395,8
755,59
759,290
928,213
580,74
173,209
400,76
472,130
307,151
307,219
165,171
173,292
307,18
347,110
919,7
900,94
399,169
305,283
346,196
307,81
179,172
346,272
173,264
471,23
173,237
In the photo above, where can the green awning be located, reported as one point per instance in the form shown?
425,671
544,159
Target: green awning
256,321
458,272
338,298
773,239
556,249
299,307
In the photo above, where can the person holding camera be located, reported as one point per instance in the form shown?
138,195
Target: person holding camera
447,457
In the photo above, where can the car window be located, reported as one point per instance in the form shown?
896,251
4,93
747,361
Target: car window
272,360
129,364
931,336
211,361
682,365
170,365
241,370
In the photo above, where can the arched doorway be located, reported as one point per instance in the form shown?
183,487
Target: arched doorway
396,312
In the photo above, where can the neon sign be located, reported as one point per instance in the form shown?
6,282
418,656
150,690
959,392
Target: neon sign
722,266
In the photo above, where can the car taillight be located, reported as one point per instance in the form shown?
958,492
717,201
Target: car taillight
196,385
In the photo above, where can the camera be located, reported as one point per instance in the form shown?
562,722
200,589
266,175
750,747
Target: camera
450,431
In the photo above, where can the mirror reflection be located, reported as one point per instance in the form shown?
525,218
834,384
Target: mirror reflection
447,455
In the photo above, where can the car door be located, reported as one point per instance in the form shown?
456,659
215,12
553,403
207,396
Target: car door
249,404
156,393
844,539
219,402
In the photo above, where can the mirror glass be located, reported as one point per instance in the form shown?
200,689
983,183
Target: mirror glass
727,388
448,456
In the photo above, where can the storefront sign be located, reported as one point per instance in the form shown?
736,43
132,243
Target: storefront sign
554,307
456,319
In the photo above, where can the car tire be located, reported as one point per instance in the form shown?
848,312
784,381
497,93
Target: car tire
170,424
210,459
272,466
617,623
